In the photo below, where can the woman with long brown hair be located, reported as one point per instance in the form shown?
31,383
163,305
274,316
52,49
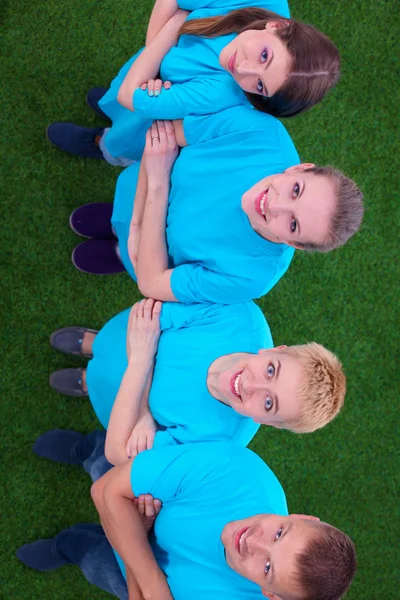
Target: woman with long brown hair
250,55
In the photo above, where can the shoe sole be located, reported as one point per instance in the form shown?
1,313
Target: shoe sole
88,237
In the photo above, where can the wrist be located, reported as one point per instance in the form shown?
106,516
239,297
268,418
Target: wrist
140,363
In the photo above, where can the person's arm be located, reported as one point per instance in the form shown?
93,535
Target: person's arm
113,497
147,64
137,216
143,334
153,274
162,11
134,591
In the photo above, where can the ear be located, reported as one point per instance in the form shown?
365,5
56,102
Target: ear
273,25
266,350
305,517
300,167
270,595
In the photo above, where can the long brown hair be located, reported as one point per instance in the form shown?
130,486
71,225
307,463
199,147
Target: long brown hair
315,59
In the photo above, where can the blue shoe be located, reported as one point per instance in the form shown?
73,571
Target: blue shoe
41,555
93,98
63,446
75,139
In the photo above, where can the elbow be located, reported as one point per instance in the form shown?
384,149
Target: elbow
96,492
125,98
114,454
145,286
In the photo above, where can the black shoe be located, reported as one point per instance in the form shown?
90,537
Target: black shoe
93,98
69,340
76,140
63,446
41,555
68,382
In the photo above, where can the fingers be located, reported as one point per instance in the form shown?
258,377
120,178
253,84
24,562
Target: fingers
157,506
147,506
157,87
161,132
167,85
148,308
142,442
150,439
170,134
140,309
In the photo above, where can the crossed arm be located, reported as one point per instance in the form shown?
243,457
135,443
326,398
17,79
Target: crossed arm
147,64
113,497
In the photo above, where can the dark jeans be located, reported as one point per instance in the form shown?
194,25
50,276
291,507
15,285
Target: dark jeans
96,463
85,544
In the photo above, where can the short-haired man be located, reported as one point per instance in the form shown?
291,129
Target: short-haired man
223,533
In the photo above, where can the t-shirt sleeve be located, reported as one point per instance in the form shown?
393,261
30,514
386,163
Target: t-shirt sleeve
167,471
241,120
195,283
199,96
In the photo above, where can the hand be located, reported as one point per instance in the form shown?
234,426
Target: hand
148,509
154,86
143,331
160,152
133,244
142,436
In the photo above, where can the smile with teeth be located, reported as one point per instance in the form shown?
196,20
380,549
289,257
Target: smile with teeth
261,204
239,539
235,384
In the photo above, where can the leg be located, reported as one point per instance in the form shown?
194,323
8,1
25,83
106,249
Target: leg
71,447
84,545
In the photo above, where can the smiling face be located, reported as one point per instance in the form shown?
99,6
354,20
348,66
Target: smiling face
263,386
258,60
262,548
294,207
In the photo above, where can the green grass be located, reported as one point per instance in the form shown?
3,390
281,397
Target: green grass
52,52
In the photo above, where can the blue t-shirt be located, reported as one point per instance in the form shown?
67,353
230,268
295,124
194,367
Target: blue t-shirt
203,488
200,85
215,253
193,336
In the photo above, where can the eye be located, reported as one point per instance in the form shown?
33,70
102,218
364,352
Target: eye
260,86
296,190
278,533
267,568
264,55
268,403
293,225
271,370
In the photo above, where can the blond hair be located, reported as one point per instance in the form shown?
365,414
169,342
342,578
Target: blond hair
348,214
322,390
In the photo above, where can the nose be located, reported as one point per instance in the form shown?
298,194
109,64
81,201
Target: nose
277,204
245,68
255,542
250,384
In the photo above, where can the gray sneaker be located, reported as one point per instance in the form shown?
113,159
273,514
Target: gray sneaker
68,382
69,340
